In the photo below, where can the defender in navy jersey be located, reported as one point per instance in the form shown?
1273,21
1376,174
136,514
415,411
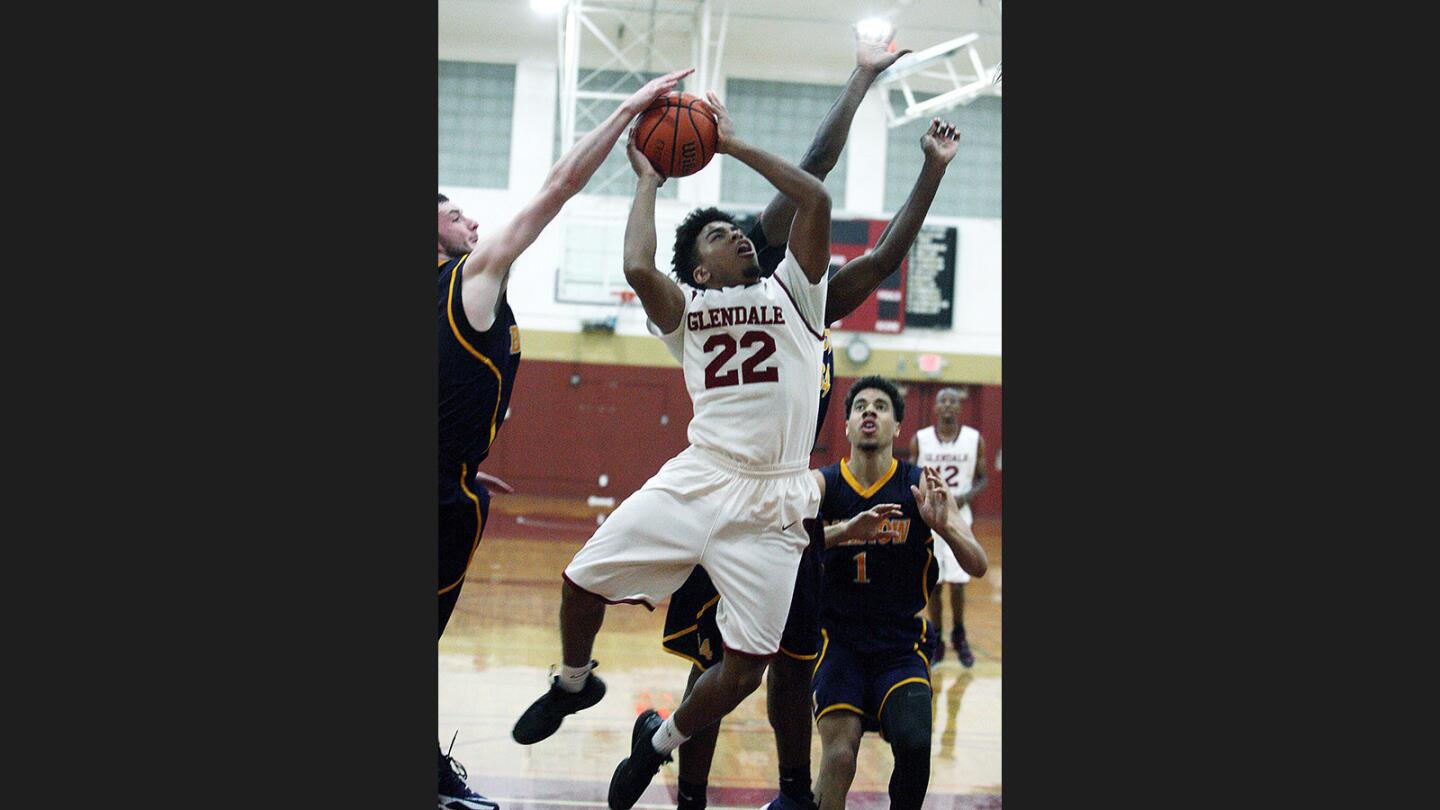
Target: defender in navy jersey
479,349
690,631
477,376
879,565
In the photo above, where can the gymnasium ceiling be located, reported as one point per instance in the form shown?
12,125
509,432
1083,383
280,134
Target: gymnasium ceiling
760,43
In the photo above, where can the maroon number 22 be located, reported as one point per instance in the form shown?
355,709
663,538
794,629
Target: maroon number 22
747,373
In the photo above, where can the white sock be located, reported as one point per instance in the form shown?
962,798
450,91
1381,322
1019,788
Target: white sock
572,679
667,738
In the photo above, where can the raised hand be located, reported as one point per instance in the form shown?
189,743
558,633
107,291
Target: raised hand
724,127
933,499
940,141
870,525
875,55
641,164
655,88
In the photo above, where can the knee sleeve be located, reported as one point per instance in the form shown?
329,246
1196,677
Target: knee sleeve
907,726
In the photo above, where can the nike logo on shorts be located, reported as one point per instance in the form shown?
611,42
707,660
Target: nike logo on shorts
787,527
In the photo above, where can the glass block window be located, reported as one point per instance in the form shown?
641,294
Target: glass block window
477,101
592,266
614,177
971,187
781,118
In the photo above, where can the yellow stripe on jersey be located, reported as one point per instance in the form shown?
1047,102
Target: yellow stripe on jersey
925,576
479,529
692,628
450,313
686,657
707,605
881,711
840,707
825,645
875,487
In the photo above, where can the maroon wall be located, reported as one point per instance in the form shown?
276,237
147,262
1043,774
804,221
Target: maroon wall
624,422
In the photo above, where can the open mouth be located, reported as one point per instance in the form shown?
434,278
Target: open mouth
746,249
868,426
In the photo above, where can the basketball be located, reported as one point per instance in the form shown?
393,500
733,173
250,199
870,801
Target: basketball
677,133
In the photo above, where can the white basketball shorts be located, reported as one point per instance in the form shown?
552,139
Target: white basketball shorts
742,523
950,570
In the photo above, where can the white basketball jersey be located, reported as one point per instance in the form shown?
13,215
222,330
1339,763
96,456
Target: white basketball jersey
751,355
955,460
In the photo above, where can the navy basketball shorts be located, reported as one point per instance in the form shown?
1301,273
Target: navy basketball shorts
690,629
464,507
856,674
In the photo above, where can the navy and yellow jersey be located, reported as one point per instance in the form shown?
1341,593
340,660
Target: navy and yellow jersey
873,590
827,376
477,376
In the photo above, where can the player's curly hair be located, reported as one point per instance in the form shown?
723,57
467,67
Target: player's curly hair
879,383
687,255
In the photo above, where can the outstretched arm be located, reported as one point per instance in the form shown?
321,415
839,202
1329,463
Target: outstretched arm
854,282
868,526
810,233
872,57
663,300
940,513
567,177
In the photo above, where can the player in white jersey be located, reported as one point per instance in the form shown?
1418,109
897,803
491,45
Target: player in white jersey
734,500
958,452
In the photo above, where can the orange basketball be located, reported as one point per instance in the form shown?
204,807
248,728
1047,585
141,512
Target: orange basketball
677,133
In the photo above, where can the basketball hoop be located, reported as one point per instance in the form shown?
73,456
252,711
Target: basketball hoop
606,326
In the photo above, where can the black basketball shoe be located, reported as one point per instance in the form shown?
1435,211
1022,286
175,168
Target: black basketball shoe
635,772
962,647
545,715
454,793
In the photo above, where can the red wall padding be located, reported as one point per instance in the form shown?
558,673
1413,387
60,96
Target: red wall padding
570,423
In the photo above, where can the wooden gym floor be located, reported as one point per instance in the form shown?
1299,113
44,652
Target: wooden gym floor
503,638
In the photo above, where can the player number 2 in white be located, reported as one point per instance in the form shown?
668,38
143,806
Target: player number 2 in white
860,569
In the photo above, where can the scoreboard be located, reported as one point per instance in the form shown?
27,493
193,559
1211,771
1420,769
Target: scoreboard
919,294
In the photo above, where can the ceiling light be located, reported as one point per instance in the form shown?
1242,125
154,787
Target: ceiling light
874,28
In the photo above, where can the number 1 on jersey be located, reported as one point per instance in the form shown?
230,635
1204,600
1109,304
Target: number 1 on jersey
860,568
